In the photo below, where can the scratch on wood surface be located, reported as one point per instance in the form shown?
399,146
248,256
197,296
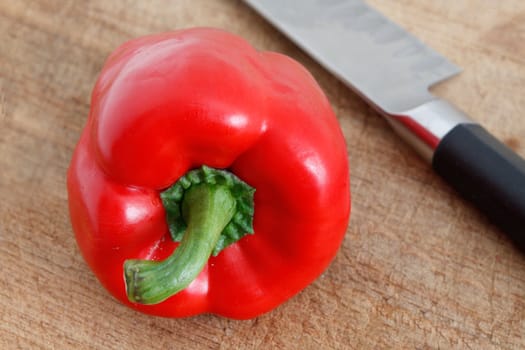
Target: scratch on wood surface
3,105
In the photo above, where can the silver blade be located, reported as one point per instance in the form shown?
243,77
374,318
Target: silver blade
374,56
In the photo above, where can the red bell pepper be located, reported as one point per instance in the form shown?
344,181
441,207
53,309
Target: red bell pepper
194,135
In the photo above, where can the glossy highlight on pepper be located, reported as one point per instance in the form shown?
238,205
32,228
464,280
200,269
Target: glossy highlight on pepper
165,105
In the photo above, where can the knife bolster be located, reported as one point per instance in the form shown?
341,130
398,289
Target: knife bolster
425,126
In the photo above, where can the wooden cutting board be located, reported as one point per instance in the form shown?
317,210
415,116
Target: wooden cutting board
419,268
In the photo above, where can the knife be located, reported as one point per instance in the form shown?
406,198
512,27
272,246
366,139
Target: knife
393,71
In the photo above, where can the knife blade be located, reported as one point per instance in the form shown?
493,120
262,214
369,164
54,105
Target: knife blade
393,71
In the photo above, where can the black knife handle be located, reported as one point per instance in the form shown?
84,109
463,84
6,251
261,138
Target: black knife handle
486,172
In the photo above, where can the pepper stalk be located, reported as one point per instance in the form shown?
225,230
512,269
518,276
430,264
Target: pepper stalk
207,210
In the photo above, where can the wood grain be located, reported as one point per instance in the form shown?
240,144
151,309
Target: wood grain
419,268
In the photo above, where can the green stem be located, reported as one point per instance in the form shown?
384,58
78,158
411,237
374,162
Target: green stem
207,209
